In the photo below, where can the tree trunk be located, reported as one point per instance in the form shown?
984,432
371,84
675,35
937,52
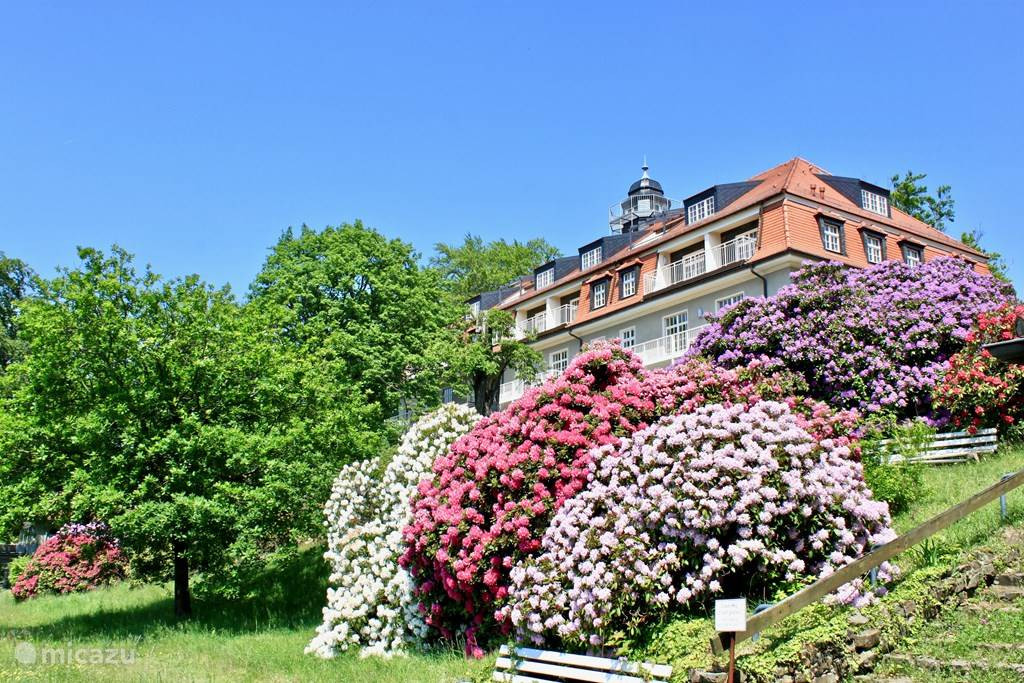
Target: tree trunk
182,596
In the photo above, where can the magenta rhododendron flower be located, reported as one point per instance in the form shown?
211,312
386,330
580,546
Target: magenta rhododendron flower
78,557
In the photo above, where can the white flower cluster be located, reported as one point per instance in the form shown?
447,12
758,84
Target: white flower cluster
370,603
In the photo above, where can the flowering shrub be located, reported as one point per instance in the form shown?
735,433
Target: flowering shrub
492,496
875,339
723,500
977,390
78,557
370,605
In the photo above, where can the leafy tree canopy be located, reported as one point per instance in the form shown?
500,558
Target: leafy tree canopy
996,264
910,195
15,283
476,266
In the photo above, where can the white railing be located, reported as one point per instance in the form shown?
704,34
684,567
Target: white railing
668,347
510,391
698,263
639,206
563,315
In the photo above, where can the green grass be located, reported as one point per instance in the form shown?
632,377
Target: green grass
264,640
222,642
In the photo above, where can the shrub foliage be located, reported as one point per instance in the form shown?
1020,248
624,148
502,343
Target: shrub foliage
78,557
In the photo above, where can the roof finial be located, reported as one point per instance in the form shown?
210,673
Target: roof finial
644,167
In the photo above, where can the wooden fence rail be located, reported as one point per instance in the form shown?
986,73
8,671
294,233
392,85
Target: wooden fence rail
822,587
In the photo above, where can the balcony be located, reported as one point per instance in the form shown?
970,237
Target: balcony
667,348
703,261
548,320
510,391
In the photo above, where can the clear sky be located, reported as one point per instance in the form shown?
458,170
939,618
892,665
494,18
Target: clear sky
192,134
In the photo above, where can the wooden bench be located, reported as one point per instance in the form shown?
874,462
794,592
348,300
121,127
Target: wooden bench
527,665
951,447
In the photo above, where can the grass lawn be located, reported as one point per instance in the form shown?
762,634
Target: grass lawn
246,641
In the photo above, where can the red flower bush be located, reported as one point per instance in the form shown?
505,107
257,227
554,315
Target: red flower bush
492,496
78,558
977,390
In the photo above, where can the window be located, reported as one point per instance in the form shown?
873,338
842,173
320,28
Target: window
831,235
474,309
912,255
545,278
598,294
874,248
875,203
627,283
628,337
590,258
447,395
700,210
675,332
728,301
558,361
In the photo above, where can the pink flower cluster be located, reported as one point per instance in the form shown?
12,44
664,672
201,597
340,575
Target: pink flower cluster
724,500
79,557
494,493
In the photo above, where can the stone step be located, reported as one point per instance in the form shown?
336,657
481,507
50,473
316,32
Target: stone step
985,606
954,665
1010,579
1007,593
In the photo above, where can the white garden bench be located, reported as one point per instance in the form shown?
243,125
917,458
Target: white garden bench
952,447
527,665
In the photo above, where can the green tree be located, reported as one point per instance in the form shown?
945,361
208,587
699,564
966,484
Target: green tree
996,264
476,266
15,284
358,313
135,403
911,196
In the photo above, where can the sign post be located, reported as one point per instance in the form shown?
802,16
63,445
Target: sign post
731,618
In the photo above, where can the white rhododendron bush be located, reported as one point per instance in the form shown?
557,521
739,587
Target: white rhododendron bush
726,500
370,605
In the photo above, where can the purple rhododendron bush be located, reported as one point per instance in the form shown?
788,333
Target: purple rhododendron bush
78,557
724,500
875,339
493,494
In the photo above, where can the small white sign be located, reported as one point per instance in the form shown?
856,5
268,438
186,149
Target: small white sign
731,615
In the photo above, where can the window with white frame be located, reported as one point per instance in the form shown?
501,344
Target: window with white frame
700,210
598,294
628,337
590,258
674,327
627,283
873,248
912,255
474,309
831,236
727,301
875,203
558,361
545,278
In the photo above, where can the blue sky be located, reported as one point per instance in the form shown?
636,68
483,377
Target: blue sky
193,134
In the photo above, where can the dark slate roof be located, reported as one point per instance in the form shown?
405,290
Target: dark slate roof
563,265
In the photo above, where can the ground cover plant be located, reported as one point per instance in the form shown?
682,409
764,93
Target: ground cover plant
876,339
79,557
370,603
724,500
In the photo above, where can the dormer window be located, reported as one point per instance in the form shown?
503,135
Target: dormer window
474,309
599,294
700,210
913,255
874,247
831,235
591,258
875,203
545,278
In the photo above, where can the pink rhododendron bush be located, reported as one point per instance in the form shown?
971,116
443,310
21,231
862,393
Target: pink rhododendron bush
724,500
370,606
492,496
79,557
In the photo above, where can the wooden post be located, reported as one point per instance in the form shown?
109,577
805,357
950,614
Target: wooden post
732,658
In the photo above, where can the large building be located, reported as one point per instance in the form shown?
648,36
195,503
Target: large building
666,264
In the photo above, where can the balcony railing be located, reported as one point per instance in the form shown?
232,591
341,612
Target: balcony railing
698,263
510,391
668,347
563,315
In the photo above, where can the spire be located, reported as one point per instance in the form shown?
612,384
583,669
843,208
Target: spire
644,167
